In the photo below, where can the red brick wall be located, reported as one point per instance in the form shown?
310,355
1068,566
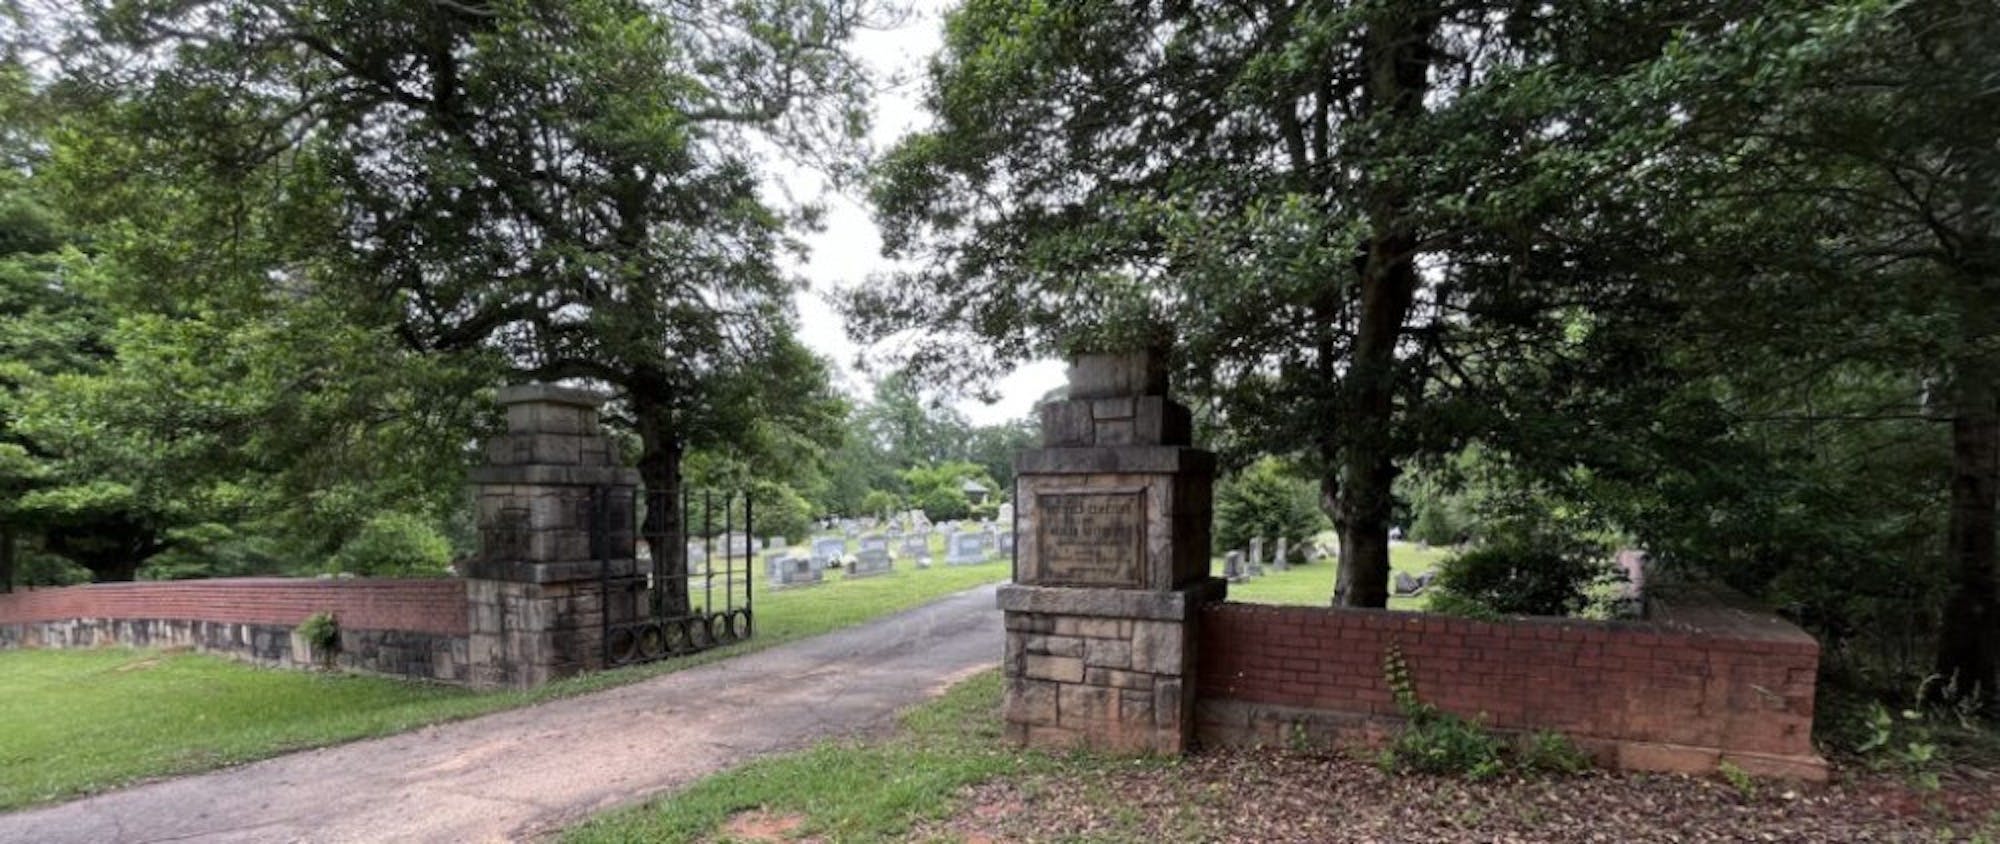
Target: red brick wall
1702,675
421,606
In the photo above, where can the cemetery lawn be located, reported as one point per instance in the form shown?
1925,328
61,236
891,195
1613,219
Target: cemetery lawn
949,776
849,791
1312,584
79,721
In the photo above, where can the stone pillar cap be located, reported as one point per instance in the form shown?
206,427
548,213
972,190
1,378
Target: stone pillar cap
551,394
1126,374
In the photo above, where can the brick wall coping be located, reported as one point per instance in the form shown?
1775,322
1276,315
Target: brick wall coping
1718,612
426,605
1684,620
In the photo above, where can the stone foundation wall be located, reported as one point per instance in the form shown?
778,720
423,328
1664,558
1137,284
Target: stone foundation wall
393,653
403,628
1705,680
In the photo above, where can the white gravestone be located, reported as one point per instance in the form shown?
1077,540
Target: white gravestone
916,547
873,558
827,550
964,548
790,570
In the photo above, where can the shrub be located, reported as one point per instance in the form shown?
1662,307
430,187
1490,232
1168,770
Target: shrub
1264,500
321,632
778,510
1553,753
943,503
880,503
1434,741
1439,525
1518,578
395,545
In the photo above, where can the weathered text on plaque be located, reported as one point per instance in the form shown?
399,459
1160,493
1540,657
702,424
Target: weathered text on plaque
1092,538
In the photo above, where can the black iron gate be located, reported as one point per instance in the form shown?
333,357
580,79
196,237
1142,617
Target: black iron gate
673,586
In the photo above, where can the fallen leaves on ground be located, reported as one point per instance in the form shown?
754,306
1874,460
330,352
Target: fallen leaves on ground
1274,796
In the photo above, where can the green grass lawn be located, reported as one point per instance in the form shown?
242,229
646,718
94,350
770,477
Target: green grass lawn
1312,583
848,791
73,722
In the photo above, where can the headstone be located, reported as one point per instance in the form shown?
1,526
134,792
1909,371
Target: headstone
1323,551
1006,517
1256,556
1409,587
1232,567
919,521
964,548
915,547
1006,540
793,570
1279,562
850,528
697,552
873,558
1395,534
772,543
827,550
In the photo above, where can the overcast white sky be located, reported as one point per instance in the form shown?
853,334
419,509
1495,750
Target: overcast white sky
850,248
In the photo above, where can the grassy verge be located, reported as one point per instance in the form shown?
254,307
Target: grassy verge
74,722
1312,584
874,791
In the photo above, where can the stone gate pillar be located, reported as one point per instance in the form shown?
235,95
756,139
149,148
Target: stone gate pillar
538,601
1112,566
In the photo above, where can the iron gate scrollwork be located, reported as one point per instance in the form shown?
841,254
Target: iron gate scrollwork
672,586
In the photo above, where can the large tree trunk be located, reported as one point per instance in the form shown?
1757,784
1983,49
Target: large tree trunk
660,470
1397,55
6,559
1969,641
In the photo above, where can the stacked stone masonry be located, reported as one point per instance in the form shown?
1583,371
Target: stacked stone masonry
1113,514
556,527
404,628
1701,683
1105,671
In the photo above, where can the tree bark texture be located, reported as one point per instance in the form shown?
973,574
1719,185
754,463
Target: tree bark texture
1397,57
665,528
1969,642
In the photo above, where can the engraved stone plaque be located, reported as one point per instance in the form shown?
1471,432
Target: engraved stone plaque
1092,538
